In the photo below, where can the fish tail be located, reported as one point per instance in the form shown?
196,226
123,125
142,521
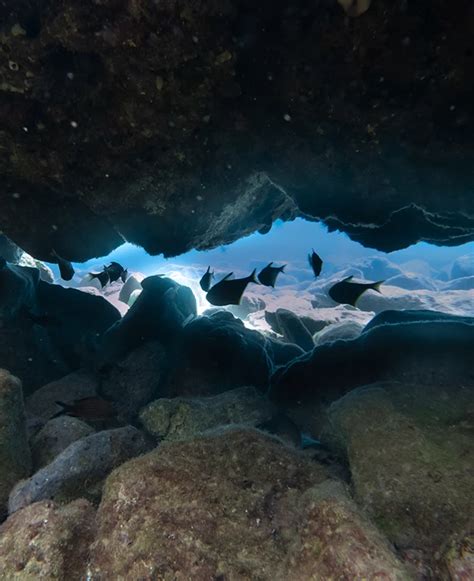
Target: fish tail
282,268
253,276
376,286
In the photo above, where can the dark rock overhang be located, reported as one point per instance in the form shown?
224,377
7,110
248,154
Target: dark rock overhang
179,125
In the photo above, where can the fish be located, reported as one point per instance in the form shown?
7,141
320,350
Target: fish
206,280
114,270
268,275
315,262
229,292
66,269
348,293
124,275
91,408
103,277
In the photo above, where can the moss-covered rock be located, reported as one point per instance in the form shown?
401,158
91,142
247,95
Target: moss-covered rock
236,504
177,418
410,453
44,541
457,562
15,456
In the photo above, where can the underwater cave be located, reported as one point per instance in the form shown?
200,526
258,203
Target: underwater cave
236,290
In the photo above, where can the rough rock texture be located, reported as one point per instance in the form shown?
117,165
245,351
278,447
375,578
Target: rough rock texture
458,560
409,449
79,467
337,331
45,541
15,456
234,505
425,351
134,382
180,126
158,314
55,437
215,354
41,403
178,418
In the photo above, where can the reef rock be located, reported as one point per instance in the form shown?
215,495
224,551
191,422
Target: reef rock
424,351
215,354
457,561
80,467
55,436
236,504
292,328
463,266
178,418
131,284
409,451
343,330
158,314
46,541
15,456
134,382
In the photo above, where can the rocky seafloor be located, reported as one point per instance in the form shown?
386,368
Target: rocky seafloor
230,454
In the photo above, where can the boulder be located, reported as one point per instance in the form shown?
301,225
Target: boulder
235,504
215,354
9,250
464,283
42,403
409,451
158,314
80,467
280,352
54,437
15,456
247,306
47,541
343,330
426,351
134,382
393,317
293,329
131,284
178,418
411,281
18,286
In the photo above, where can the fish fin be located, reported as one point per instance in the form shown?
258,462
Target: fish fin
253,276
376,286
282,268
227,276
269,264
347,279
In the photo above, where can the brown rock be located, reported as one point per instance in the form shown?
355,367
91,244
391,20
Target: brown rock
44,541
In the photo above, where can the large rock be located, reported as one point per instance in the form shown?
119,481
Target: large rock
292,328
233,505
463,266
80,467
457,562
45,541
425,351
343,330
215,354
135,381
178,418
15,456
409,449
54,437
158,314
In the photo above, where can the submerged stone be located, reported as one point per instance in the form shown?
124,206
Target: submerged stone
409,449
45,541
236,504
15,455
80,467
180,418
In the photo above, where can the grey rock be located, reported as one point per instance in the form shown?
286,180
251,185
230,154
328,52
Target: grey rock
131,284
56,436
79,467
15,456
178,418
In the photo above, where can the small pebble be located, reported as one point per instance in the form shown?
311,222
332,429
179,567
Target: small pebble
287,117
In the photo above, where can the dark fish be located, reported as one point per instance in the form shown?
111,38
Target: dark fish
103,277
229,292
315,262
206,280
65,267
92,408
268,275
114,270
347,293
124,275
